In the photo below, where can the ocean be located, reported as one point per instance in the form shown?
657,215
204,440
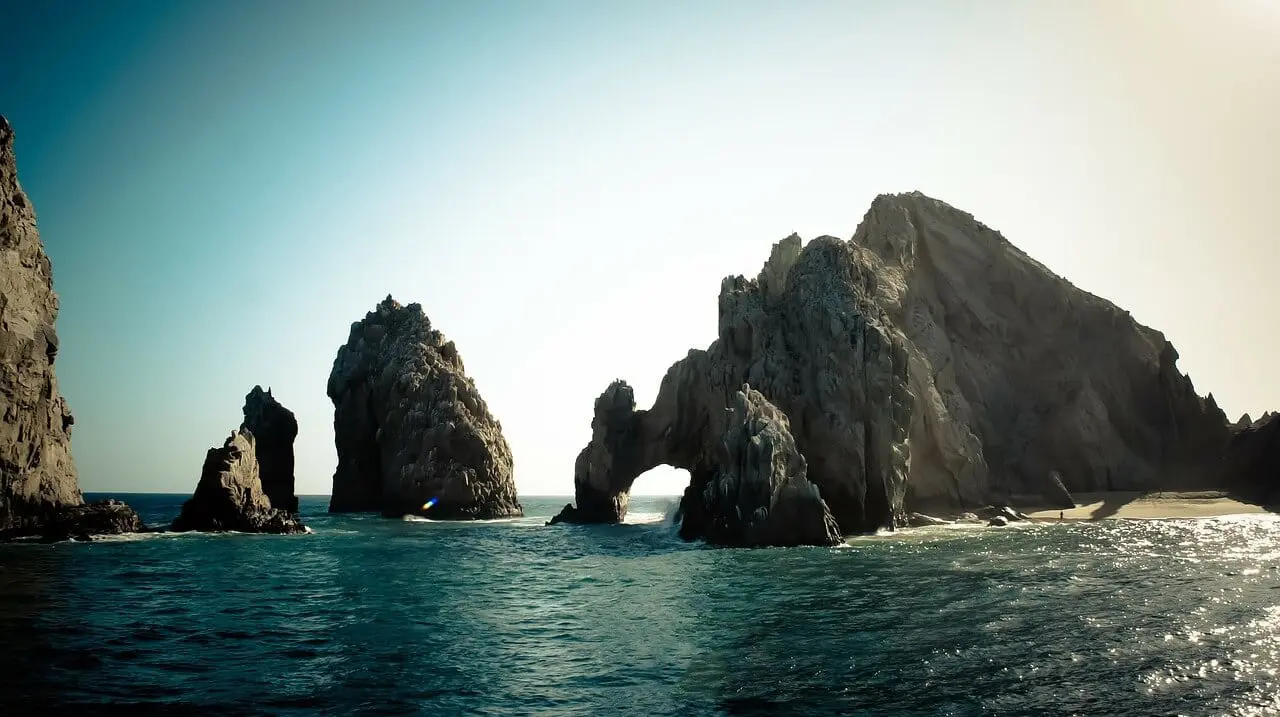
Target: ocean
374,616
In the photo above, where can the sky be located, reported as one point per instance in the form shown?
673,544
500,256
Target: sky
224,187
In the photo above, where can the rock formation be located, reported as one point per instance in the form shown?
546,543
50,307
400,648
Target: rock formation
229,496
927,365
759,495
1251,466
274,428
81,522
37,475
412,432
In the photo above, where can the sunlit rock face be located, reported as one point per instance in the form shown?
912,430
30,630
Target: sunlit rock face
413,434
37,474
229,496
926,364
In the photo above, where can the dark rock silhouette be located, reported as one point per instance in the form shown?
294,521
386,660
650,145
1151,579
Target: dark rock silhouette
229,496
274,429
926,325
81,522
413,434
759,495
1251,466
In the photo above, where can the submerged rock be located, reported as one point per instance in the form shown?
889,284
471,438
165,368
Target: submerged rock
925,365
413,434
229,496
274,429
37,474
82,522
759,495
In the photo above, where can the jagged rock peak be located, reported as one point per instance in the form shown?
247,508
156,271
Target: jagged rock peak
229,496
274,429
37,473
412,433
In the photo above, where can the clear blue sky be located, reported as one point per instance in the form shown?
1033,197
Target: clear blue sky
224,187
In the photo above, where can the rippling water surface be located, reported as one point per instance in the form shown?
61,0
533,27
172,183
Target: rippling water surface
375,616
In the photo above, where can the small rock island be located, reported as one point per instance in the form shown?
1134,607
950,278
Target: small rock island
413,435
247,485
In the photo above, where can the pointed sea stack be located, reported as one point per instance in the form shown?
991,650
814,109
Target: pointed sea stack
926,365
413,434
274,429
38,484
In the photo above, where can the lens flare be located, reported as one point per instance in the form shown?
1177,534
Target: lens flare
428,504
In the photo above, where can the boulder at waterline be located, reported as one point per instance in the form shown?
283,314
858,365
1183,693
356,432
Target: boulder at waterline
82,522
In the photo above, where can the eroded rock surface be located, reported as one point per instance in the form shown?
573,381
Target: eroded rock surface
229,496
274,429
1019,375
410,427
37,474
759,495
926,364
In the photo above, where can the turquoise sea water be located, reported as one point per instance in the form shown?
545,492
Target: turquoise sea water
375,616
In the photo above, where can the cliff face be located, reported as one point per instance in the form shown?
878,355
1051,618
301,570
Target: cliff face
274,429
1017,374
37,475
412,432
926,364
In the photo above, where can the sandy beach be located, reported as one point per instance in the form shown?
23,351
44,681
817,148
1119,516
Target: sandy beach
1136,504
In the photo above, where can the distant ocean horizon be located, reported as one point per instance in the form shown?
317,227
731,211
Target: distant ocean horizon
369,615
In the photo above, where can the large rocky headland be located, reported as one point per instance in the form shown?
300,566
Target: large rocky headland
39,489
925,365
413,435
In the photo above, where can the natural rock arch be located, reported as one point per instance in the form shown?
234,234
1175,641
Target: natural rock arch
925,364
805,336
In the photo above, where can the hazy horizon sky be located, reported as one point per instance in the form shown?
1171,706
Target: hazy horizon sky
224,187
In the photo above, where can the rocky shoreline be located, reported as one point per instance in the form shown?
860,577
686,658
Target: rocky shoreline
925,367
